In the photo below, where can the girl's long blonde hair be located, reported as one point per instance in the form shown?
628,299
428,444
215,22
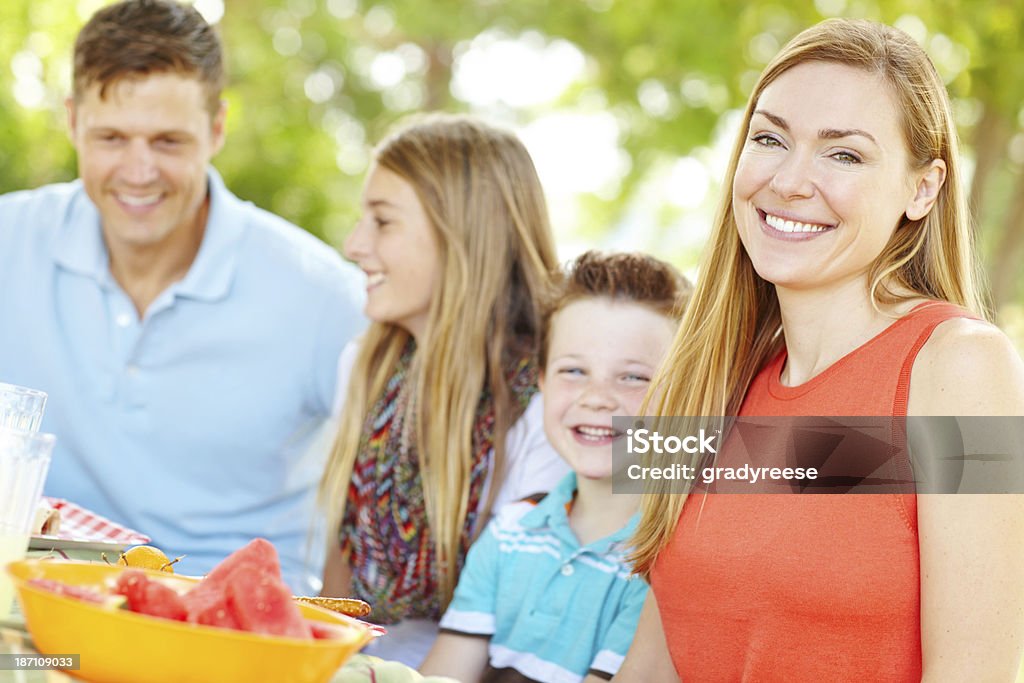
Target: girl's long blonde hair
733,325
482,195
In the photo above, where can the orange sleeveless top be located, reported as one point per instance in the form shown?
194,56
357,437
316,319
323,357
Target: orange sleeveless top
777,587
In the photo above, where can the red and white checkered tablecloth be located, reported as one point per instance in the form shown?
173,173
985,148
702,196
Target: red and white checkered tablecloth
79,524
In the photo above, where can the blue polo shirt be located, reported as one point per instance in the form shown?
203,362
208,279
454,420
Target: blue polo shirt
553,610
194,424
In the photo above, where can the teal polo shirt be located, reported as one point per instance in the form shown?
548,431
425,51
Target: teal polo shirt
193,424
553,610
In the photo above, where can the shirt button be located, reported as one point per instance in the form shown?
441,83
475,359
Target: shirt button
124,320
132,370
567,570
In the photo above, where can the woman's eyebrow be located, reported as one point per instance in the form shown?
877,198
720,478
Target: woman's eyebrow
777,120
824,133
834,133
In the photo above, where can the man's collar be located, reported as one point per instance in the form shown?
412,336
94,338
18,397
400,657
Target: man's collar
209,278
79,247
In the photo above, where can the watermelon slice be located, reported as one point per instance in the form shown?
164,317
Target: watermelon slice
146,596
213,613
263,604
207,603
245,592
324,631
258,551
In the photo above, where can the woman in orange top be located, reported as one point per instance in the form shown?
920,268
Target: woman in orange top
840,281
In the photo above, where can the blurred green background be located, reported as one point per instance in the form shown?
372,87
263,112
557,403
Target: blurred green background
627,107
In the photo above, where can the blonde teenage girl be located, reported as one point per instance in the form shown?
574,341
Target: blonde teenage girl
441,418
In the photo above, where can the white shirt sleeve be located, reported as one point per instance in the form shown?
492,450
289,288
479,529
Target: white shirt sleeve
532,465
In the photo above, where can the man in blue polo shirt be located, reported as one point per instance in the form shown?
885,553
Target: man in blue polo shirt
187,339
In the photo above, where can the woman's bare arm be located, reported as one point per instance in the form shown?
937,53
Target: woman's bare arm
972,545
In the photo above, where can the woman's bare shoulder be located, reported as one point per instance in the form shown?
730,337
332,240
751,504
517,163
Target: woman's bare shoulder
967,367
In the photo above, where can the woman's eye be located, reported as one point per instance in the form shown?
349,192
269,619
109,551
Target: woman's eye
846,158
571,371
766,140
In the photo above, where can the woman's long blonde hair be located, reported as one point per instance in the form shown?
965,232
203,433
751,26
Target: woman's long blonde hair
733,325
482,195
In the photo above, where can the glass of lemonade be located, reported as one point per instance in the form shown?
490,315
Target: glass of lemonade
24,461
21,407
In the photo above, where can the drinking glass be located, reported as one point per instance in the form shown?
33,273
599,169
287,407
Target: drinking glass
24,460
21,407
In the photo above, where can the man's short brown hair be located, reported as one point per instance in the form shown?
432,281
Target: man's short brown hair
136,38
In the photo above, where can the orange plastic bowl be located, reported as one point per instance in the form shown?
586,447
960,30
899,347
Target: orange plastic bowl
119,646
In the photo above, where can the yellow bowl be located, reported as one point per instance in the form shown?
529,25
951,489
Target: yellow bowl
119,646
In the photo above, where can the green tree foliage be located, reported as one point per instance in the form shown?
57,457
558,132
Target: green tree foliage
315,83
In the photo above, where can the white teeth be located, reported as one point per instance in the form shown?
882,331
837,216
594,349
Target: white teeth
373,279
596,431
139,201
783,225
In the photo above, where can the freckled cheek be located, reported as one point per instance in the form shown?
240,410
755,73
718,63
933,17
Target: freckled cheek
632,401
558,399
